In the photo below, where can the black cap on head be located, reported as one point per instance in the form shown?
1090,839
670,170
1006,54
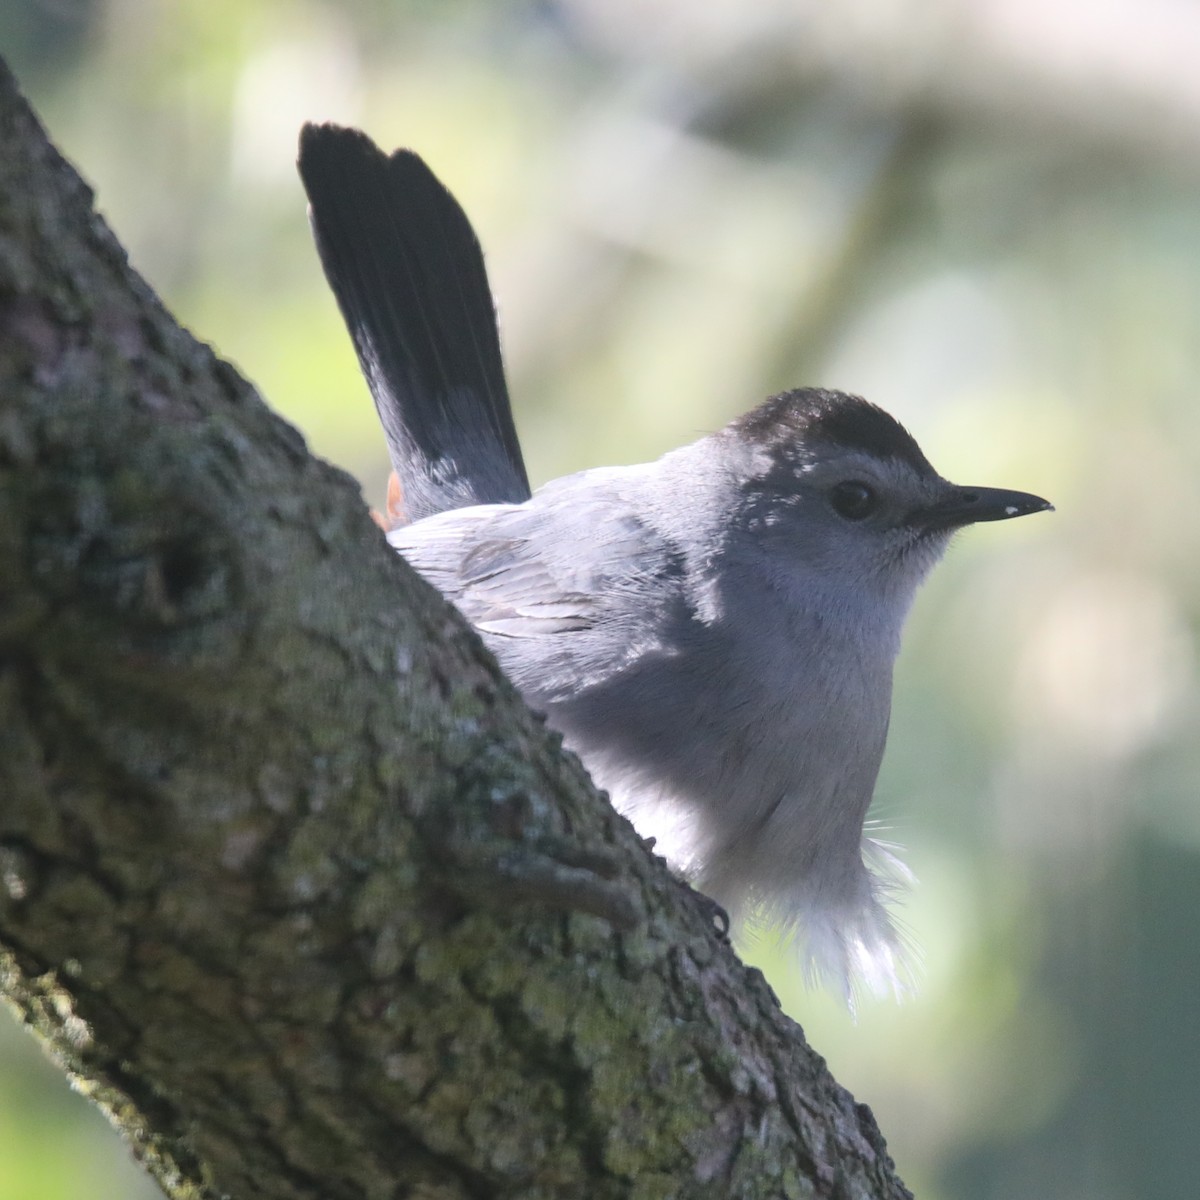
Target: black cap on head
837,418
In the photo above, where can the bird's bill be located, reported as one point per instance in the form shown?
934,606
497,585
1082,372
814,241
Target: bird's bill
970,505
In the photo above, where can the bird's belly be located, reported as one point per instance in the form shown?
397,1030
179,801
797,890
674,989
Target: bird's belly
745,771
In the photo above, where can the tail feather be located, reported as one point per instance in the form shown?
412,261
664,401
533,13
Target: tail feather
408,273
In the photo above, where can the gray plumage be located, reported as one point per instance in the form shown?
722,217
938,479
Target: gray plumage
713,633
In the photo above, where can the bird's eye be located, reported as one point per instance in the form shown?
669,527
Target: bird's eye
853,500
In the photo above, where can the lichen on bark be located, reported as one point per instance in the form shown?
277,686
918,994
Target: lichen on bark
290,880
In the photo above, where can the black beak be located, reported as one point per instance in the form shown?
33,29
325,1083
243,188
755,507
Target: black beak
968,506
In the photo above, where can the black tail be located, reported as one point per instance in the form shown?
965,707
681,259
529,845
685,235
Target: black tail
408,274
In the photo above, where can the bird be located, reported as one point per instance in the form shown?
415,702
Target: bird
714,632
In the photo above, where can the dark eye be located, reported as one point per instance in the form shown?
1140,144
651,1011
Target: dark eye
853,500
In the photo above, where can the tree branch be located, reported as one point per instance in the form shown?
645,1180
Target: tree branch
290,880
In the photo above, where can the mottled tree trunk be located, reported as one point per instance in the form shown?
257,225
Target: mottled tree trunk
289,878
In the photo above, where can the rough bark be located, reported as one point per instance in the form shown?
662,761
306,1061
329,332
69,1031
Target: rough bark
290,880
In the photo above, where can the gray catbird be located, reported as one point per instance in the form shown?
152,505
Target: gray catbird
713,632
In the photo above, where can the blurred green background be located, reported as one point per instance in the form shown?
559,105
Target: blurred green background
982,214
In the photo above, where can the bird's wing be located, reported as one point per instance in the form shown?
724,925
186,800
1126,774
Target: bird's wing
556,617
